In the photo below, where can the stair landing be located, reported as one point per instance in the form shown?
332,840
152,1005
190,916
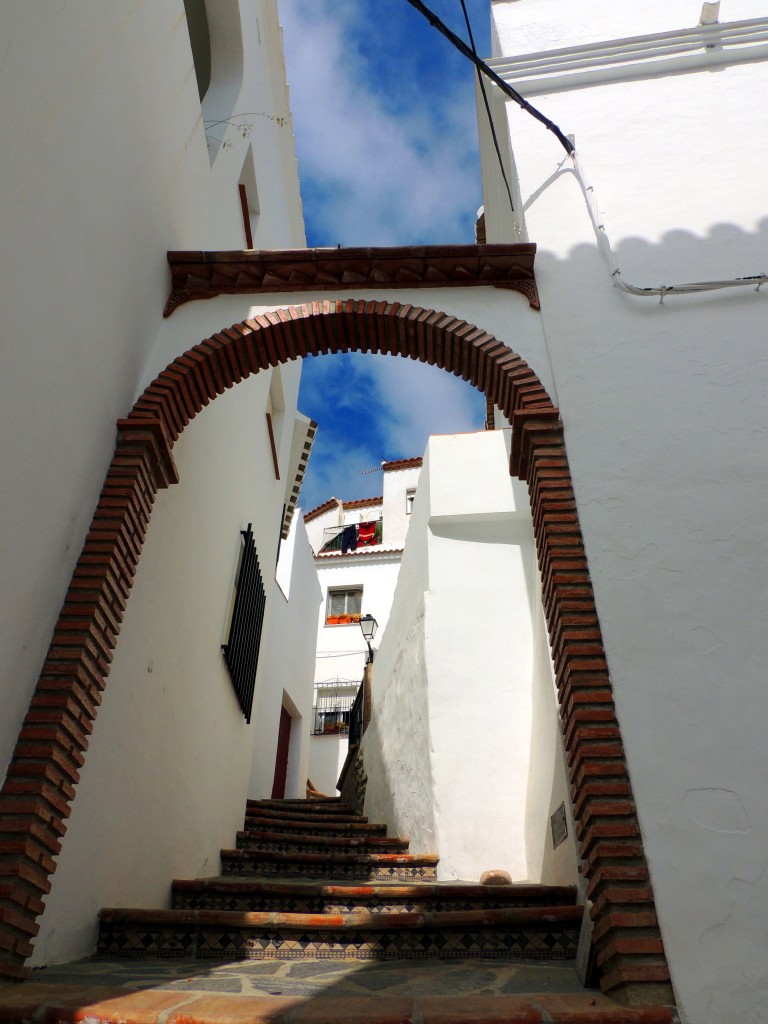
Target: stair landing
313,992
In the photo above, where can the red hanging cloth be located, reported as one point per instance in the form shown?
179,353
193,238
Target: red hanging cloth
366,533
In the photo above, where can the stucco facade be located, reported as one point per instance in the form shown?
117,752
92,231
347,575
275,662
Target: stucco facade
663,401
455,756
661,405
368,574
86,234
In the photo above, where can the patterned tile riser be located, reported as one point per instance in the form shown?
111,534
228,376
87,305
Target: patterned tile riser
289,847
556,945
341,872
309,829
318,906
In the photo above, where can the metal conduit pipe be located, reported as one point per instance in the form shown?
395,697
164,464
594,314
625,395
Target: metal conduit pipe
736,33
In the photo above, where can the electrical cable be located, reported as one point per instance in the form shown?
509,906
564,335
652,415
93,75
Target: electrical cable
491,125
462,47
758,280
340,654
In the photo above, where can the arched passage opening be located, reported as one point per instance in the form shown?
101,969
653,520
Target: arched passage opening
39,790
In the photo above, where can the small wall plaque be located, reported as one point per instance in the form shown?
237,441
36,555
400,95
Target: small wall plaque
559,824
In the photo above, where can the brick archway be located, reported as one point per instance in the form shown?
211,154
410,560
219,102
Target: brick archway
39,789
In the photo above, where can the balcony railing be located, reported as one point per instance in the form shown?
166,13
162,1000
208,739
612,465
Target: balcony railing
333,535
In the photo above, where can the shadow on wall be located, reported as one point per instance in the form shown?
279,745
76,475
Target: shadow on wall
726,252
664,413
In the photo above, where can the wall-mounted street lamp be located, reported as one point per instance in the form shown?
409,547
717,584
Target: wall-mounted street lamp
369,625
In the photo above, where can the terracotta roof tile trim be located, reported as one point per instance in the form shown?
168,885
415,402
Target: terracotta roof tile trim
39,789
320,509
401,464
363,502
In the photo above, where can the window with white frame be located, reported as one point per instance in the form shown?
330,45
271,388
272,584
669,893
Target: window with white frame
344,606
410,496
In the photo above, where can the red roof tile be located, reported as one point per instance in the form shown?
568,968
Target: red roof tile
318,511
362,502
401,464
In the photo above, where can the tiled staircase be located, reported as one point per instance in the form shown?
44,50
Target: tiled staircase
310,879
293,932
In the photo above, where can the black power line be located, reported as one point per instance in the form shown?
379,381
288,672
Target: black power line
480,64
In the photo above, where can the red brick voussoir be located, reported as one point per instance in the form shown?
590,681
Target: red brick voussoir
37,795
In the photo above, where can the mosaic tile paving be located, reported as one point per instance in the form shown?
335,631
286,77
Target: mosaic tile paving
314,992
313,978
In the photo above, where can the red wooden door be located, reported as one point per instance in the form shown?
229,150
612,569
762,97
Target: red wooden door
281,761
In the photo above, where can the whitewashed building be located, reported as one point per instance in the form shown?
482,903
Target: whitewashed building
358,547
127,143
634,337
462,752
652,249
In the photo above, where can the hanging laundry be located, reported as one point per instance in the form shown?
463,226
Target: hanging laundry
349,539
366,533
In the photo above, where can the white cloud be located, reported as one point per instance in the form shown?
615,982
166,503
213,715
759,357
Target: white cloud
424,400
388,176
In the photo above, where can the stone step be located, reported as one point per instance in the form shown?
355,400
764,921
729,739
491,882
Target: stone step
327,805
320,828
303,801
318,898
262,839
550,933
371,867
294,814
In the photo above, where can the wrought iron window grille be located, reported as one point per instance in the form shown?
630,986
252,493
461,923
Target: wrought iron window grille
241,651
333,703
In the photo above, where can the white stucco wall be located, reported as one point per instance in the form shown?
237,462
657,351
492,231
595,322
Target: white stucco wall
664,413
397,760
341,649
326,759
86,236
166,774
106,171
287,661
396,483
450,748
548,785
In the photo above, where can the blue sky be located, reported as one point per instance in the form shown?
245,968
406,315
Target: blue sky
384,118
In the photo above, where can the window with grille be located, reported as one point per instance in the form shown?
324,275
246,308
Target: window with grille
332,707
